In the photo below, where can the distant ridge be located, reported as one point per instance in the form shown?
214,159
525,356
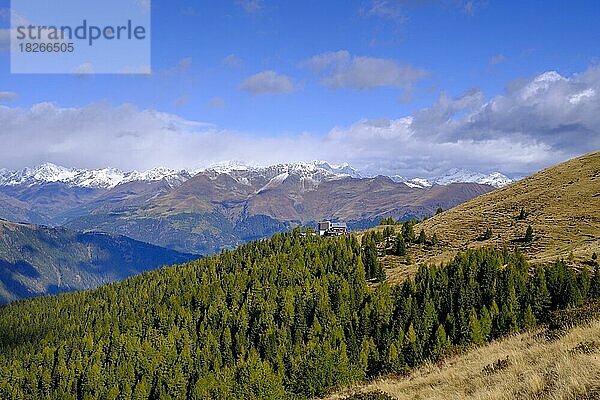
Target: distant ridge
107,178
37,260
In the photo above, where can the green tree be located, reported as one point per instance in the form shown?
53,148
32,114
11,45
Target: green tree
422,237
400,246
439,211
441,342
529,234
408,231
522,215
370,259
434,240
411,348
475,334
487,235
387,221
485,322
529,320
541,300
595,284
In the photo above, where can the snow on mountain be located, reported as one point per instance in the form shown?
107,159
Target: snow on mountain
274,182
310,174
455,175
105,178
343,169
541,83
418,183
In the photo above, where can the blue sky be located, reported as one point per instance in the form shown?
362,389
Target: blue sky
279,72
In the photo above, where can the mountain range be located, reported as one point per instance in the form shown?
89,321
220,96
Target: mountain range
78,229
107,178
202,212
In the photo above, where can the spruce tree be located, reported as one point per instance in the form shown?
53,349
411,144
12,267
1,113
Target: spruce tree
370,259
400,246
485,322
595,284
540,296
529,234
522,215
440,343
408,231
475,334
529,320
411,348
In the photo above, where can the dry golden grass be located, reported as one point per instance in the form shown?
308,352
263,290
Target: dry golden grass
563,203
537,369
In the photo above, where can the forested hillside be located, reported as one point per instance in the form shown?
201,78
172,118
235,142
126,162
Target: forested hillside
289,317
37,260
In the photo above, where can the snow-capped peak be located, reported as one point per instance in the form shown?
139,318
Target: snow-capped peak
342,169
226,167
455,175
542,83
105,178
418,183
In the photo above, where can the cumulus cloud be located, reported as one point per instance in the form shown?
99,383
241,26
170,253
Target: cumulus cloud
7,96
268,82
534,124
343,70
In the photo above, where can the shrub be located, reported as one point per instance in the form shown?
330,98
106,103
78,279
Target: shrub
529,234
500,364
375,395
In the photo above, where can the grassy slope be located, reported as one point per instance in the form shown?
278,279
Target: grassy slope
538,368
563,203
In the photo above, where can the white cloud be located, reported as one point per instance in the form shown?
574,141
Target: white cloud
387,9
534,124
182,100
268,82
183,65
7,96
216,102
581,96
342,70
251,6
497,59
232,61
